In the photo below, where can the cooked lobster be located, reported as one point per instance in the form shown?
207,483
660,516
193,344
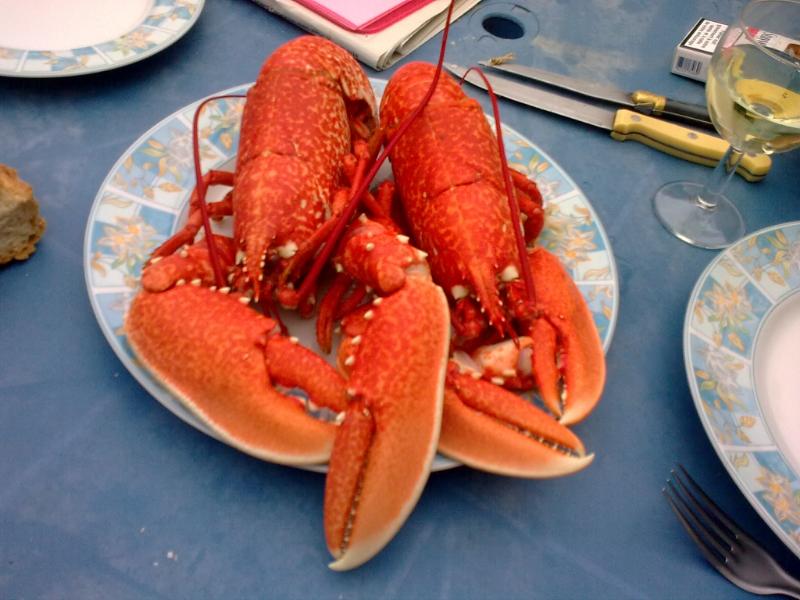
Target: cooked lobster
308,135
450,182
303,145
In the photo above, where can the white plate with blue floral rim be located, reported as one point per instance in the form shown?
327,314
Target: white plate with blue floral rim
741,346
43,39
145,195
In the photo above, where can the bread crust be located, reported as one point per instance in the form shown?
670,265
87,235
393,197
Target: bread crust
21,225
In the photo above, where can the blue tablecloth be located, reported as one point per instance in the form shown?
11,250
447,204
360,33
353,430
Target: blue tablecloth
105,494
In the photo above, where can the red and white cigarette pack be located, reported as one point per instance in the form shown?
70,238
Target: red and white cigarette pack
693,55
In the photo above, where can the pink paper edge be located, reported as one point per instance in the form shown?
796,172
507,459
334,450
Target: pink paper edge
379,23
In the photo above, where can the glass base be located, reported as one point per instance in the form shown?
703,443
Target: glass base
677,207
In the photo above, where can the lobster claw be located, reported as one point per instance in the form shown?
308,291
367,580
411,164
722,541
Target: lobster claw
492,429
395,353
220,358
567,351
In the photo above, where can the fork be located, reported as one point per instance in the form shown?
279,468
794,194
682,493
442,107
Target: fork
732,552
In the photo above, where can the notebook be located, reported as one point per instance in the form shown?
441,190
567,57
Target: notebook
361,16
387,36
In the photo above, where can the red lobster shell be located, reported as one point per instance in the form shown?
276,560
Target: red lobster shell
229,364
310,101
450,183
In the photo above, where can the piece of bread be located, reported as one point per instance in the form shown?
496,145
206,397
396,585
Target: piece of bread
20,223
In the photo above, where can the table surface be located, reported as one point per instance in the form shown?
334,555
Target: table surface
106,494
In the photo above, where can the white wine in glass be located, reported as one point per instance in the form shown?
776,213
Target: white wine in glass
753,95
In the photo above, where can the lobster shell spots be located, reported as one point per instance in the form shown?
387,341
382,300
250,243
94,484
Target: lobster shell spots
296,129
448,175
382,455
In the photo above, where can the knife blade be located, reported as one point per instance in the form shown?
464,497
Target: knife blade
671,138
642,101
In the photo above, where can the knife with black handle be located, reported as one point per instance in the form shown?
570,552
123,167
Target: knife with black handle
665,136
642,101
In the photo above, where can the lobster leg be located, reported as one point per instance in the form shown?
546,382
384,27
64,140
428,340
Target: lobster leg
489,428
530,203
190,265
372,254
194,222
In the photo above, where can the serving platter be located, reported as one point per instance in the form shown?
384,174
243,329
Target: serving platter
144,198
741,348
63,39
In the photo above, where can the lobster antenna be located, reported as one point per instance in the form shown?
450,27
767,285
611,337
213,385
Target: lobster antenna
513,205
352,204
201,187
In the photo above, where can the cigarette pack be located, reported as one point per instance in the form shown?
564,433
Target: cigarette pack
693,54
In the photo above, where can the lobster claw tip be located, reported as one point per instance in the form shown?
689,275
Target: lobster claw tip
576,411
569,331
561,465
355,557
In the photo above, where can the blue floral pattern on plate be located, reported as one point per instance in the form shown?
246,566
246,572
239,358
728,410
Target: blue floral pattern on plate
164,24
143,198
725,313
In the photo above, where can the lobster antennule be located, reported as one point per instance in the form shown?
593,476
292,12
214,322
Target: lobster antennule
352,206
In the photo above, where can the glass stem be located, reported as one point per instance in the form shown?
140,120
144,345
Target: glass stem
719,178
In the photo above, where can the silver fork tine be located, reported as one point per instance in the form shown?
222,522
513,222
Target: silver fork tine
739,558
718,513
697,529
709,512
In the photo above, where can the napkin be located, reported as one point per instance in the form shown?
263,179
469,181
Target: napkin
380,49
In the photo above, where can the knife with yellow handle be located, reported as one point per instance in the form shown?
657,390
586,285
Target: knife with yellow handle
671,138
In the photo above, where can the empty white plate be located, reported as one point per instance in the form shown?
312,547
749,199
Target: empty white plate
39,38
742,352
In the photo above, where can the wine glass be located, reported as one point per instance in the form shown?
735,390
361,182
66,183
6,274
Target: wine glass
753,95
